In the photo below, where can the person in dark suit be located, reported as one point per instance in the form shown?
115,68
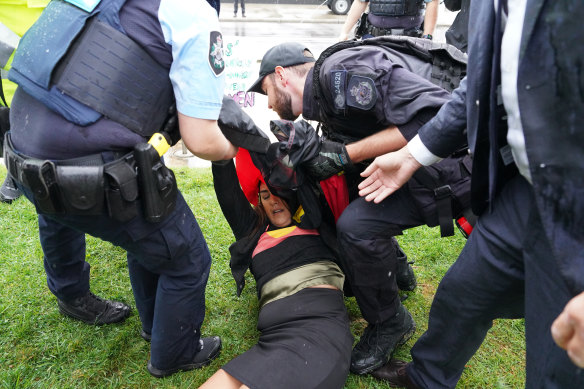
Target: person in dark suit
523,107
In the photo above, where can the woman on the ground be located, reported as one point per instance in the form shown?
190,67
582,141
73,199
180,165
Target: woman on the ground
305,341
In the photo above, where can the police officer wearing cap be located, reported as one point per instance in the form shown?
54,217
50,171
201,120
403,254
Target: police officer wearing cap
96,80
354,93
391,17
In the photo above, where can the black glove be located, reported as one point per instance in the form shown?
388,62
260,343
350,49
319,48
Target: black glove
332,158
170,128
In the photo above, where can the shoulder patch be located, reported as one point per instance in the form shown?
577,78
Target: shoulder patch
361,92
216,59
337,87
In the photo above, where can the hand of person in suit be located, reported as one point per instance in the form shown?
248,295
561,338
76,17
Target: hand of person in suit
568,329
386,174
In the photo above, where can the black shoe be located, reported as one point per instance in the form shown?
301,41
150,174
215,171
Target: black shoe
92,309
146,335
405,277
210,349
379,341
9,192
395,373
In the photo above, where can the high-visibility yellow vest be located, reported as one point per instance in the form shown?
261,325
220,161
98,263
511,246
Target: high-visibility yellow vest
16,16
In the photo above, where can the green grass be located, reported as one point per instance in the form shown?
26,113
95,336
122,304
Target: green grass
39,348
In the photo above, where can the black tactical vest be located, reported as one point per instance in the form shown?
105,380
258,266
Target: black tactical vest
448,68
396,7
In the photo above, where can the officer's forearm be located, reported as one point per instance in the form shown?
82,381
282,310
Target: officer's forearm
382,142
204,138
431,17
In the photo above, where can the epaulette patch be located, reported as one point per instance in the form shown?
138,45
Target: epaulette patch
216,58
338,81
361,92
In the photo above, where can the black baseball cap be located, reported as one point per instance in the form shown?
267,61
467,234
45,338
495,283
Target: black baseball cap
284,54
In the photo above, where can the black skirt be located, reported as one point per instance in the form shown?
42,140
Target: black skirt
305,342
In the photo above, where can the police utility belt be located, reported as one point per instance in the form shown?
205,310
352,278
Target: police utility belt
364,27
132,182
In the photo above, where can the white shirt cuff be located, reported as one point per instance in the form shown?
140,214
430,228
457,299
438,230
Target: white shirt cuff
421,153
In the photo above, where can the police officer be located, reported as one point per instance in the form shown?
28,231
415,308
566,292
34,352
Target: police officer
358,91
391,17
71,286
82,106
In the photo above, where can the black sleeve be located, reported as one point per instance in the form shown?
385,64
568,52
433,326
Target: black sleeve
234,205
409,101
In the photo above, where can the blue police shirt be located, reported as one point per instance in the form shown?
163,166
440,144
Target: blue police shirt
197,68
182,36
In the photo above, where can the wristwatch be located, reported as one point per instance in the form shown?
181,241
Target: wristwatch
427,36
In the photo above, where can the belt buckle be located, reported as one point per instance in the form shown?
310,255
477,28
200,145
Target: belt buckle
442,192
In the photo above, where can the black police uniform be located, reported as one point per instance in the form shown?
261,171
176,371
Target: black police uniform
365,90
392,17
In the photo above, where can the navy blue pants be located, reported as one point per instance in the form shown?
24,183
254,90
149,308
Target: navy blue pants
366,233
169,266
506,270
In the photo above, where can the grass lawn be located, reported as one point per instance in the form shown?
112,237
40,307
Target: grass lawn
39,348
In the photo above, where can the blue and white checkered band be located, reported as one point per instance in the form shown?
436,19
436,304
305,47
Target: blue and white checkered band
338,80
361,93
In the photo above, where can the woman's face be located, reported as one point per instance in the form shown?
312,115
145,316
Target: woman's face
276,210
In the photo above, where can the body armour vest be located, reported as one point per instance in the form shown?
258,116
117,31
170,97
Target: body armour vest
396,7
88,67
442,64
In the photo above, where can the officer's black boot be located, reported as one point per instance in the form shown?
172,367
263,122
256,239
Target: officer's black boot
9,192
210,349
379,341
405,277
92,309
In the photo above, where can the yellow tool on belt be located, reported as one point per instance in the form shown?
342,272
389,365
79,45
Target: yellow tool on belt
160,142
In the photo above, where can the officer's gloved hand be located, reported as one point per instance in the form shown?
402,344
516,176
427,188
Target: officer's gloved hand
332,158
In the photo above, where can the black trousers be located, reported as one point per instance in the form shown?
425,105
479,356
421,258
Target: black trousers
168,262
506,270
366,233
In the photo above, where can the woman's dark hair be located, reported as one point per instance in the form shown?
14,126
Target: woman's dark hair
262,216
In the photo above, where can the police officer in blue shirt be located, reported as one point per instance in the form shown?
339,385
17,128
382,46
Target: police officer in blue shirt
96,80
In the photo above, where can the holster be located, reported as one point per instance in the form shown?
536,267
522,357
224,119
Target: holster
157,183
361,28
